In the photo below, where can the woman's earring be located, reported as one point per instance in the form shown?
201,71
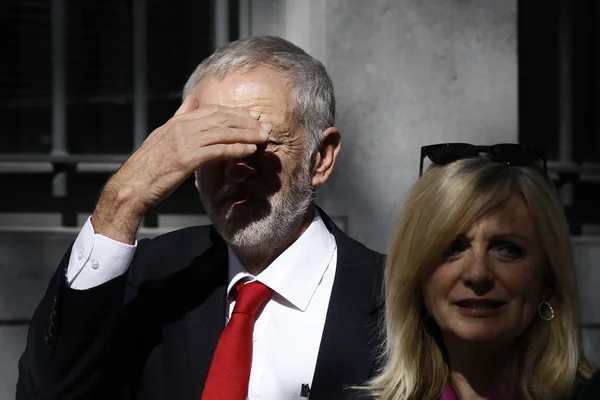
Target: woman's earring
545,310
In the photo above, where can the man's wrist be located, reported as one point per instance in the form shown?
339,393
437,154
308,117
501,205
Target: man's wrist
116,216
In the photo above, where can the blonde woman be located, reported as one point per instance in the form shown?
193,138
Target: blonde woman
480,287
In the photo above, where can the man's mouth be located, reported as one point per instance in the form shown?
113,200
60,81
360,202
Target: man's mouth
231,198
240,202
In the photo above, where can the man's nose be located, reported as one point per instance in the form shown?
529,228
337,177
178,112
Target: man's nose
239,170
477,274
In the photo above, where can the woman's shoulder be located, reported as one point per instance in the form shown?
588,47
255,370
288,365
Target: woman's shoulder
589,389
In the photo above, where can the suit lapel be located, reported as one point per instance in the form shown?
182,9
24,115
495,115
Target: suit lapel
351,333
196,315
205,324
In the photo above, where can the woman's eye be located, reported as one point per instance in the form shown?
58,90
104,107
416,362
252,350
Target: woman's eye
510,251
454,250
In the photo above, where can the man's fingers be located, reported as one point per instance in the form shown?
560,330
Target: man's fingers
211,109
221,151
206,132
231,120
190,103
230,136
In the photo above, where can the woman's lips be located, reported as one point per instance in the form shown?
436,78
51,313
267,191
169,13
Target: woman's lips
480,307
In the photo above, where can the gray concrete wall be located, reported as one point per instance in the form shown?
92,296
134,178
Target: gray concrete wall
406,73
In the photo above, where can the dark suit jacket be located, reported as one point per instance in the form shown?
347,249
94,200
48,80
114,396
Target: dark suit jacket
151,333
590,389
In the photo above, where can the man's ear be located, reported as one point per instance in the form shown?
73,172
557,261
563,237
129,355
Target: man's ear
326,156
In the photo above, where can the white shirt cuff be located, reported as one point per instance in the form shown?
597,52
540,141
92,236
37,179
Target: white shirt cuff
96,259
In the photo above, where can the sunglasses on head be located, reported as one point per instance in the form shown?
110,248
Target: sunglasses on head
506,153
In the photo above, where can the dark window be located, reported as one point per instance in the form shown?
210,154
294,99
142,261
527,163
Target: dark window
25,76
179,38
99,69
541,60
100,75
586,80
559,97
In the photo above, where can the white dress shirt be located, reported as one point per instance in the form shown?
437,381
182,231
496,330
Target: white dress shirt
287,333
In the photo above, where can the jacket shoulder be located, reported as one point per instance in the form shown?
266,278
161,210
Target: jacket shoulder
353,252
589,389
158,257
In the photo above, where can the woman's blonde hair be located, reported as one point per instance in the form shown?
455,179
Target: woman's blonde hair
548,359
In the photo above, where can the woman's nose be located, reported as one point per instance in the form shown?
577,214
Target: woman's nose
477,273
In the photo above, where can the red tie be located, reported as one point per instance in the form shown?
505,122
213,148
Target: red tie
229,372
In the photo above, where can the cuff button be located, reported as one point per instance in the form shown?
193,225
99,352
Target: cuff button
48,338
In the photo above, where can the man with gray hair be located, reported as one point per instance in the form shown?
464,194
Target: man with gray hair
272,301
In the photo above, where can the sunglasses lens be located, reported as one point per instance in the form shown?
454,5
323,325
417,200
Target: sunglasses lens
447,153
507,153
514,154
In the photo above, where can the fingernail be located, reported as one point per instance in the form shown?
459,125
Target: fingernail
252,147
254,114
266,126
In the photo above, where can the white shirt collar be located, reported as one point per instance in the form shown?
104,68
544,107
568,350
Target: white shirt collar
297,272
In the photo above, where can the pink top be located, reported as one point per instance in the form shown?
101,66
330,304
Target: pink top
449,394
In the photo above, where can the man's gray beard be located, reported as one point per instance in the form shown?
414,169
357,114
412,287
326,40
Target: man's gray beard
279,226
